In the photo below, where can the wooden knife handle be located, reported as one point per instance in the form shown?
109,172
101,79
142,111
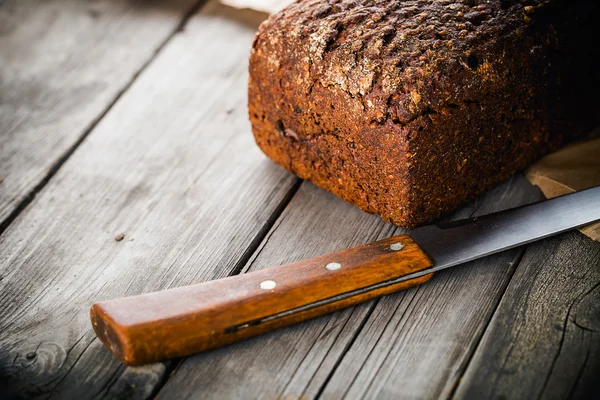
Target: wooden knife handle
185,320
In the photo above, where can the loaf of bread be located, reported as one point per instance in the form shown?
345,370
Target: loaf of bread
410,108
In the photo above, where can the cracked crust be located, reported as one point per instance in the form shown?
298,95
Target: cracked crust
409,109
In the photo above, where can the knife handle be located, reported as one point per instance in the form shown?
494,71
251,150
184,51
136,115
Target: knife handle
185,320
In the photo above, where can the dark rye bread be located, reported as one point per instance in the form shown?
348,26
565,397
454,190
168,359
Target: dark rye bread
409,109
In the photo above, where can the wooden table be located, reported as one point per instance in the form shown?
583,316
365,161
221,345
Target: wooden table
129,117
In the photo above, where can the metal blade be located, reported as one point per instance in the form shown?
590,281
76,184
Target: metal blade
456,243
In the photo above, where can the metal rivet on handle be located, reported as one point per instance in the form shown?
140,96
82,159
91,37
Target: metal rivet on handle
268,285
396,246
332,266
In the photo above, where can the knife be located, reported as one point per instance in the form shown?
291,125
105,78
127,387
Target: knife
181,321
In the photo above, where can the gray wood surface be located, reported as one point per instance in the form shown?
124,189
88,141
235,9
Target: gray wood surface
62,64
174,167
418,346
413,344
544,340
294,361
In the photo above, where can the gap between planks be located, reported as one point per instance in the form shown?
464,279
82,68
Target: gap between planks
54,166
190,199
173,365
477,342
311,352
484,204
470,355
547,322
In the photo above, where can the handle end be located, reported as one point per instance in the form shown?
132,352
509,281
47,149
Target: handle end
111,335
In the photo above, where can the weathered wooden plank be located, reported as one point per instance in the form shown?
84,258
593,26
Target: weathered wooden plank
544,340
315,222
417,346
297,361
174,167
62,64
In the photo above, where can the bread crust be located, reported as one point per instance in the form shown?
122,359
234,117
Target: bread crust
409,109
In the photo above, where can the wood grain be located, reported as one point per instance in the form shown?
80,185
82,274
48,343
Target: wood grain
282,363
62,65
166,167
544,339
178,322
297,362
418,346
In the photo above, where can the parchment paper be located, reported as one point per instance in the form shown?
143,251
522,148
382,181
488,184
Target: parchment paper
572,168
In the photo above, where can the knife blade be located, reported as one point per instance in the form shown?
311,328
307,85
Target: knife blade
181,321
462,241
